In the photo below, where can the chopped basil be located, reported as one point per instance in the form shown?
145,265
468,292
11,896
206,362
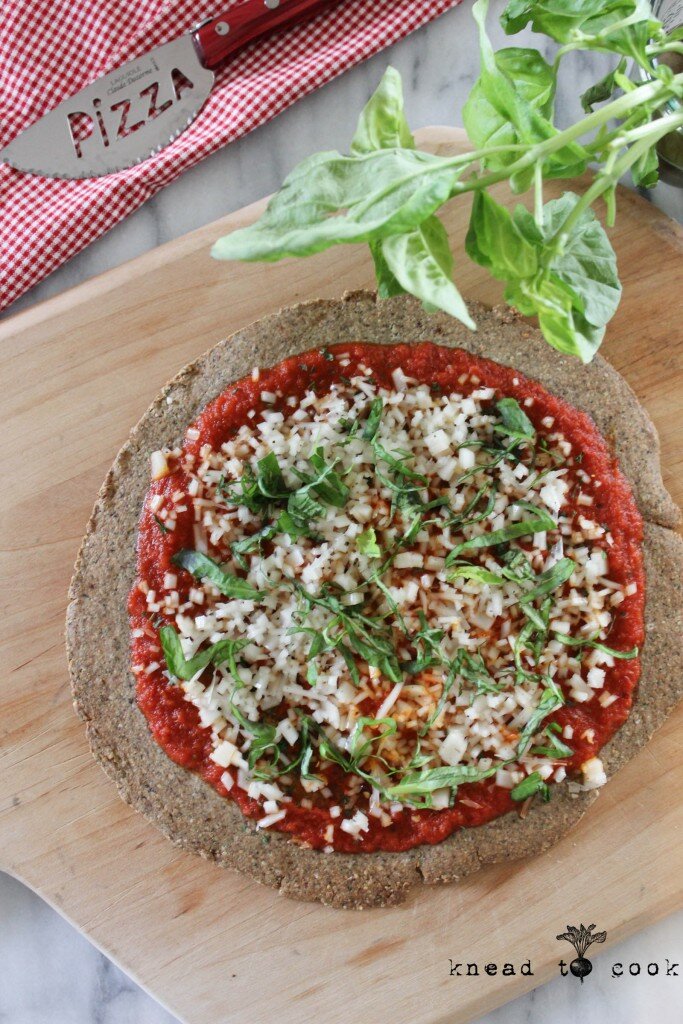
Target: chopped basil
366,542
529,786
427,638
551,700
474,670
579,641
263,741
475,572
301,508
373,421
515,423
555,748
453,672
359,745
425,782
327,484
160,524
204,568
539,522
271,482
549,580
181,668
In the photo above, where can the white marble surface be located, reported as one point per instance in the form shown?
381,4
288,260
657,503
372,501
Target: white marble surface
49,974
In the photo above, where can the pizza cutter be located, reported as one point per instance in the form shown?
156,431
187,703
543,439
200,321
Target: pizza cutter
136,110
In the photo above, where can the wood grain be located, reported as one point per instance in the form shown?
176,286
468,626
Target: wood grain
77,372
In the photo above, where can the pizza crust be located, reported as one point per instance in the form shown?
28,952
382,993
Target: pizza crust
180,803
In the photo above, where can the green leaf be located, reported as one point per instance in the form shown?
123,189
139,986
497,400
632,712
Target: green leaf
422,263
586,262
494,241
549,580
178,666
487,124
382,123
516,423
555,748
374,419
428,780
475,572
587,20
578,641
359,745
529,786
328,485
366,542
645,171
539,522
603,89
504,108
551,700
263,740
330,198
204,568
269,476
559,319
387,285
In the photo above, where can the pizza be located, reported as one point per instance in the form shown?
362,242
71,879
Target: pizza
387,613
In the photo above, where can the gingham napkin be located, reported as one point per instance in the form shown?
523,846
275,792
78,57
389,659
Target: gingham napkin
49,49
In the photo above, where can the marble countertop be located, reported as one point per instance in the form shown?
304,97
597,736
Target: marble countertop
49,973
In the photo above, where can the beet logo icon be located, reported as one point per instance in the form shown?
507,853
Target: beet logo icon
581,938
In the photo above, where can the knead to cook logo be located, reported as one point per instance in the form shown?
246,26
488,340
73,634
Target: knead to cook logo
581,938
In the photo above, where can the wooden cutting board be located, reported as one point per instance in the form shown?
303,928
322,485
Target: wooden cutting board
77,372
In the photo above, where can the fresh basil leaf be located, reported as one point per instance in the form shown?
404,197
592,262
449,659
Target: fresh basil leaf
603,89
204,568
422,262
499,102
382,123
645,172
182,668
387,284
366,542
486,125
538,523
557,308
580,19
529,786
494,241
330,198
551,700
586,262
515,421
263,741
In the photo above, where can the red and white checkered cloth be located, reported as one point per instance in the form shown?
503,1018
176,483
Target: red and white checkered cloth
50,49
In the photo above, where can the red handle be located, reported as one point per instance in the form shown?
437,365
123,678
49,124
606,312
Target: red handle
222,36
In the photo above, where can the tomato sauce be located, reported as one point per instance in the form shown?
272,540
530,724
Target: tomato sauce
174,722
